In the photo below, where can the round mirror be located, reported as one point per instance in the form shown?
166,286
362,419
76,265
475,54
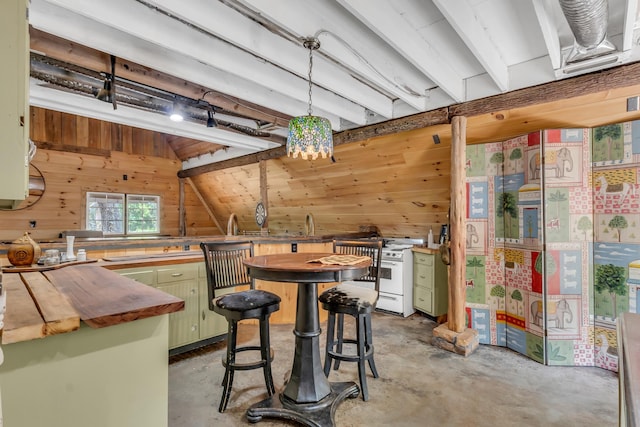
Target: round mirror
37,187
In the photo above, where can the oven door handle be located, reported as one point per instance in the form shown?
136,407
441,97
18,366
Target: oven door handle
389,263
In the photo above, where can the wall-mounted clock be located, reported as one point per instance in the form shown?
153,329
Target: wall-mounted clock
261,214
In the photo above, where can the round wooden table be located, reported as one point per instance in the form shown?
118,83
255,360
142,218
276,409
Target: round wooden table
308,397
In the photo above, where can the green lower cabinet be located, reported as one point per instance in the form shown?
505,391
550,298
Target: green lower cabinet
188,282
184,327
211,324
423,299
430,284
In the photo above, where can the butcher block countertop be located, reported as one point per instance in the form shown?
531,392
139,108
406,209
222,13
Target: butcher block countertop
423,249
116,263
44,303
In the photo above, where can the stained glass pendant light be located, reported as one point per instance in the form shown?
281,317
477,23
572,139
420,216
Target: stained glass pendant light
310,135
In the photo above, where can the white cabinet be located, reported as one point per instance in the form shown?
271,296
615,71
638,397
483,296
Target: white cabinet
14,103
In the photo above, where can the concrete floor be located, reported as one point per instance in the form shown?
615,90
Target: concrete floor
419,385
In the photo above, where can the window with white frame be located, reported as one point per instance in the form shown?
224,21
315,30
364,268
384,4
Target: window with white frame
117,213
143,214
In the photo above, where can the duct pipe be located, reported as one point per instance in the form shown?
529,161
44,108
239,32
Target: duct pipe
588,21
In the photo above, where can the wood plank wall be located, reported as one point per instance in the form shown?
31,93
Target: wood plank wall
399,183
55,130
77,154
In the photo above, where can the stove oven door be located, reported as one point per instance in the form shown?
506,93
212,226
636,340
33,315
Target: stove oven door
391,288
391,277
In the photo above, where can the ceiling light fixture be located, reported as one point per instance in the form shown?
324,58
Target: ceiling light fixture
211,122
310,135
104,94
176,113
108,91
211,110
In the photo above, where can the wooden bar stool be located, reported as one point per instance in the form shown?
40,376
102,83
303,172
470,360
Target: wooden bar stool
358,299
225,269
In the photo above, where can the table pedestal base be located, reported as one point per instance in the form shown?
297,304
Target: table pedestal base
317,414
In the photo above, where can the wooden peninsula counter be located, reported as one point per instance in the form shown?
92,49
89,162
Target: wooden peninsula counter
84,346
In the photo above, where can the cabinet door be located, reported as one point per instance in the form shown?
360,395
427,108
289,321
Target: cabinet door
14,108
423,282
183,325
423,299
211,324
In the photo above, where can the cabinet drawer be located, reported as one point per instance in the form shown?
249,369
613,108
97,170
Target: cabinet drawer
145,276
390,302
177,273
423,258
423,276
423,299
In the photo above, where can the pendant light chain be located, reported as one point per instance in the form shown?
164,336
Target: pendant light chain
310,110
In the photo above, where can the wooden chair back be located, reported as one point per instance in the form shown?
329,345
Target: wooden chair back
370,248
223,262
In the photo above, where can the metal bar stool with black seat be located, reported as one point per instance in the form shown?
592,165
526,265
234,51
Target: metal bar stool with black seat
223,262
358,299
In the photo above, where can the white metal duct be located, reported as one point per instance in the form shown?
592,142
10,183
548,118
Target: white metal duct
588,22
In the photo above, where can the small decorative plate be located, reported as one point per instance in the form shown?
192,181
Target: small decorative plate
261,214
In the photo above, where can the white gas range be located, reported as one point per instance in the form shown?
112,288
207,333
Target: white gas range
396,276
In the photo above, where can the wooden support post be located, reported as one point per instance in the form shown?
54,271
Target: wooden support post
454,336
182,226
264,197
457,288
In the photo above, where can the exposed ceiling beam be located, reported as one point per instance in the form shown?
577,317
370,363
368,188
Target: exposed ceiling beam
464,20
62,76
418,121
562,90
630,15
341,36
71,26
67,102
246,34
601,81
148,25
391,27
549,32
77,54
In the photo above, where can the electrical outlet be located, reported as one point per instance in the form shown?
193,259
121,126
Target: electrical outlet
294,247
633,103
